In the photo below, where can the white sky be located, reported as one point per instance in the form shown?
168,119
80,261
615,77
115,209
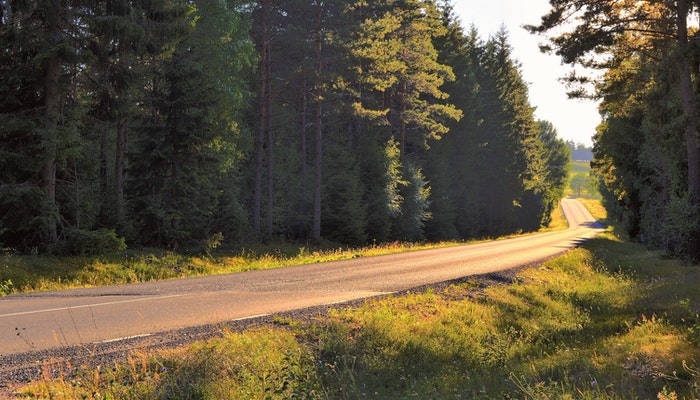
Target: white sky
574,119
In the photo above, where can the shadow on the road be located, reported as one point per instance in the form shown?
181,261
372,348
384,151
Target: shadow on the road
592,225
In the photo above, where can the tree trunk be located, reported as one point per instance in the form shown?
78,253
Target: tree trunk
316,235
52,109
303,151
402,124
691,123
260,138
104,175
259,160
316,231
270,148
119,168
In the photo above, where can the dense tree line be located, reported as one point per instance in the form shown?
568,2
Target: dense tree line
646,148
179,124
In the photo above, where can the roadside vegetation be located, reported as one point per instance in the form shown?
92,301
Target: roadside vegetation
24,273
20,273
32,273
610,320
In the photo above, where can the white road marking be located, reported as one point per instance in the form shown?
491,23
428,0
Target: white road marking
126,338
251,317
109,303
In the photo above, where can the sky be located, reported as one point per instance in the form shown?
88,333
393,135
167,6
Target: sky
574,120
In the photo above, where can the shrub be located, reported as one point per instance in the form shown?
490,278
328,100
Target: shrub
84,242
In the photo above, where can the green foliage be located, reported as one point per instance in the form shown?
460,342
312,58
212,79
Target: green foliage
268,363
20,218
683,224
577,184
498,171
6,287
344,213
580,167
692,320
212,242
401,77
557,156
82,242
415,193
381,174
637,157
40,111
264,364
186,147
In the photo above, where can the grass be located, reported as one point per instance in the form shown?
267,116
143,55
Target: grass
33,273
609,320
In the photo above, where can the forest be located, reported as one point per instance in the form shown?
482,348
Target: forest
188,124
647,54
179,124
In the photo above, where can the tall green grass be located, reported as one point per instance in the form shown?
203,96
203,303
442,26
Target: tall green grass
610,320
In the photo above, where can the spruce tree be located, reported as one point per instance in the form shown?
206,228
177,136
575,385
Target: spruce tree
187,148
557,157
40,114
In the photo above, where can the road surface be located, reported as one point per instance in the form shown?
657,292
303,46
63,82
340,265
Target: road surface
42,321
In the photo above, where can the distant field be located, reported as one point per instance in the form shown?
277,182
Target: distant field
581,183
580,166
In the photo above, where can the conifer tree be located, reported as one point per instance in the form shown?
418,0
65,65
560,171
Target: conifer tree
397,89
450,169
187,143
557,157
636,151
122,35
39,111
507,121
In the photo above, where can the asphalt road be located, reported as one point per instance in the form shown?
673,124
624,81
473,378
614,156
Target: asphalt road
49,320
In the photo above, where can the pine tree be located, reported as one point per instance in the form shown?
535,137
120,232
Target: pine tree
123,34
636,150
343,218
380,170
396,91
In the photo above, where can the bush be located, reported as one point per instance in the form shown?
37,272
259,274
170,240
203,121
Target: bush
84,242
682,224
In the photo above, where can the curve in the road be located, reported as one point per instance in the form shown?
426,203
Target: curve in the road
41,321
